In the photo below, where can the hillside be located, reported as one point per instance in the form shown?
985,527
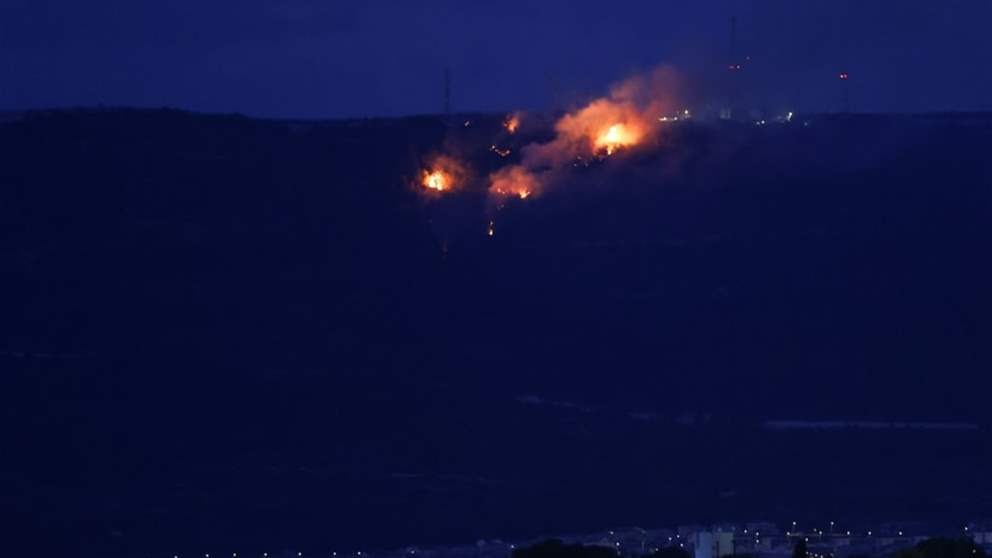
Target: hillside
195,287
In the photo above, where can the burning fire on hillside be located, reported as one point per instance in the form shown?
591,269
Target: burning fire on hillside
443,175
628,117
512,123
436,180
616,136
513,181
601,128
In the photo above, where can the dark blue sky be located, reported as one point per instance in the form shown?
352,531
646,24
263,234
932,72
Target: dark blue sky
316,58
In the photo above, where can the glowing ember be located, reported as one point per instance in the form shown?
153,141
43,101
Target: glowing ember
513,181
511,123
520,193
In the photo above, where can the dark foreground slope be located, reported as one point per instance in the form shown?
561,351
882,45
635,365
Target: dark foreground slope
223,333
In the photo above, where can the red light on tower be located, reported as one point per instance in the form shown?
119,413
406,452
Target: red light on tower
843,75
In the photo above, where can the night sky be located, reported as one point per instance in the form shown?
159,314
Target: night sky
311,58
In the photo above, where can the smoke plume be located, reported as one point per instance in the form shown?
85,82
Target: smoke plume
630,117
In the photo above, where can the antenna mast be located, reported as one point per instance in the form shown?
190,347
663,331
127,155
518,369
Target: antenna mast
447,90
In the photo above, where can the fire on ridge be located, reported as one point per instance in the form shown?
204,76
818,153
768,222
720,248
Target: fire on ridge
442,175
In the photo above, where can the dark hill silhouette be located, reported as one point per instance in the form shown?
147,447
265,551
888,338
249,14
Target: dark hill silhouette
248,334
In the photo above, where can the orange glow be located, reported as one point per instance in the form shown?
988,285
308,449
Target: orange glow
602,128
443,175
512,122
625,118
513,181
615,137
436,180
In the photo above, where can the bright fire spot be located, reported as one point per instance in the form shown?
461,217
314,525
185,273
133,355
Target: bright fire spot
601,128
513,181
625,118
442,175
436,180
511,123
615,137
520,193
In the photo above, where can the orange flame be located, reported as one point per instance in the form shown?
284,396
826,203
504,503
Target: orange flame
625,118
603,127
443,175
436,180
512,122
513,181
615,137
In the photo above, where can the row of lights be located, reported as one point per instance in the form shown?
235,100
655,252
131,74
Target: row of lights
756,534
